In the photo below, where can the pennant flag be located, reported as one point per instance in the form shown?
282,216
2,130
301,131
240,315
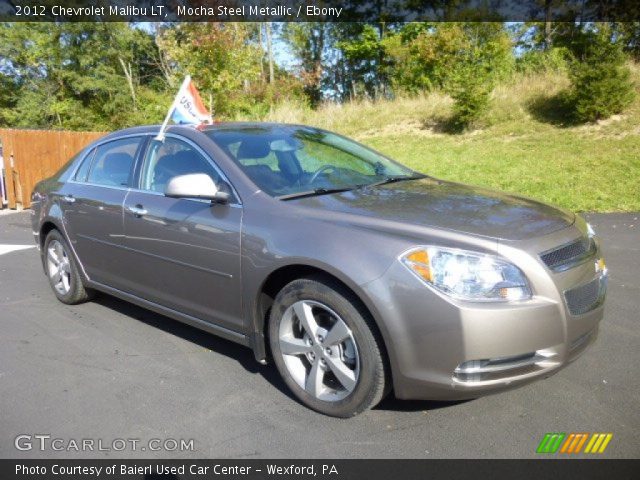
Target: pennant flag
187,108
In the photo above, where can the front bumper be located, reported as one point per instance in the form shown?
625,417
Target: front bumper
444,349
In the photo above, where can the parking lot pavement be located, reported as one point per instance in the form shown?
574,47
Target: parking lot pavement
107,370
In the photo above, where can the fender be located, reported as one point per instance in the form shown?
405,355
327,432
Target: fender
55,216
257,320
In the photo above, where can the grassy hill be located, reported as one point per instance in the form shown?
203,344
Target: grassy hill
524,145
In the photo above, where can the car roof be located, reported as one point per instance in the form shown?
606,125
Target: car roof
146,129
246,125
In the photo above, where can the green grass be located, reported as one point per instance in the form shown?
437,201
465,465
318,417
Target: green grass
518,147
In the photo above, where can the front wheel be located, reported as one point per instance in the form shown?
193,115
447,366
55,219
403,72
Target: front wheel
326,348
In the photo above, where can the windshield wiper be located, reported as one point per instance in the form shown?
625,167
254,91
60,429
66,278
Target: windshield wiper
314,192
399,178
325,191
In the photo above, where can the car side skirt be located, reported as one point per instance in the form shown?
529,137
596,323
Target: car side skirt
175,315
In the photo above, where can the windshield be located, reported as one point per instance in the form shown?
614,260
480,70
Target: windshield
288,160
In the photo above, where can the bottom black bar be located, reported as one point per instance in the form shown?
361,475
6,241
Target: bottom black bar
320,469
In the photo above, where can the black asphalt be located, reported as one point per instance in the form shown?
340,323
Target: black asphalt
108,370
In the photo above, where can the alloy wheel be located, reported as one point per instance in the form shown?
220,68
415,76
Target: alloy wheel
58,267
319,350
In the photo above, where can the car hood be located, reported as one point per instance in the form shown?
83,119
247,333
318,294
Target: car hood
434,203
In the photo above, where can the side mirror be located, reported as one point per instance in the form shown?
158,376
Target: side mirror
195,185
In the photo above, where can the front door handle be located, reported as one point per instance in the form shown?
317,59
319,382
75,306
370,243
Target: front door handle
69,199
138,211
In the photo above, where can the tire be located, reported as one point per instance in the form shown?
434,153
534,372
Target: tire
338,378
64,278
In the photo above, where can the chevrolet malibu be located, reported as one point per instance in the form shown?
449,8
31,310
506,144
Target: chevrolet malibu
353,274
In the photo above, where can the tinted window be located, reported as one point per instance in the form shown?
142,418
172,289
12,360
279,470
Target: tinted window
64,173
113,161
168,159
81,173
284,160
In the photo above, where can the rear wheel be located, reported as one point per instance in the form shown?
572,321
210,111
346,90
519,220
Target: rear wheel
62,271
326,348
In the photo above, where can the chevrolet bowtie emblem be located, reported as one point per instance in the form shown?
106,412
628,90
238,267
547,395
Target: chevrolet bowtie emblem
601,266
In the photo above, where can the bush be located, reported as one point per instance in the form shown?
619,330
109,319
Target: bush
482,58
600,78
470,87
465,60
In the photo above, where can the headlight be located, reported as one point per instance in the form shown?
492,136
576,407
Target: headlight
590,231
467,275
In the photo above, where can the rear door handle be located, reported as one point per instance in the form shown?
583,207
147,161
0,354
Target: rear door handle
69,198
138,211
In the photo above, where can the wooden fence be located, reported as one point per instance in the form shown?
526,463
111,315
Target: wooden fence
31,155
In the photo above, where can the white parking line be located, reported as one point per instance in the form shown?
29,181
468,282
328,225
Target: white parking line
13,248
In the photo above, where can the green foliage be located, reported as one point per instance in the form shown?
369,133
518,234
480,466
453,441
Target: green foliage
585,168
542,61
628,34
363,54
307,41
225,61
470,87
601,84
78,76
8,97
466,60
103,76
427,56
409,72
219,57
486,58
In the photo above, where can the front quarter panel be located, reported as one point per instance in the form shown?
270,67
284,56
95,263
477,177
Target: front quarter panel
351,248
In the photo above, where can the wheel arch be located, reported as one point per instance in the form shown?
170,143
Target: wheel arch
53,223
285,274
45,228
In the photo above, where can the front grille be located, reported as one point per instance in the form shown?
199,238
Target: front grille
585,298
568,255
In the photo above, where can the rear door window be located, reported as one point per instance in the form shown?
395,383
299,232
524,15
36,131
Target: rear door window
83,171
113,162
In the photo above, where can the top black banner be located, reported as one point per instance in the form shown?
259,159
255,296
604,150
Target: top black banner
319,10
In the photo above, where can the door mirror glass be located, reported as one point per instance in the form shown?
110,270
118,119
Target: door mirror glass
195,185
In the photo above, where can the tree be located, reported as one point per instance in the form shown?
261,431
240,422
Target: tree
307,41
270,51
464,59
8,97
78,75
226,62
408,71
601,84
362,47
219,57
628,34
